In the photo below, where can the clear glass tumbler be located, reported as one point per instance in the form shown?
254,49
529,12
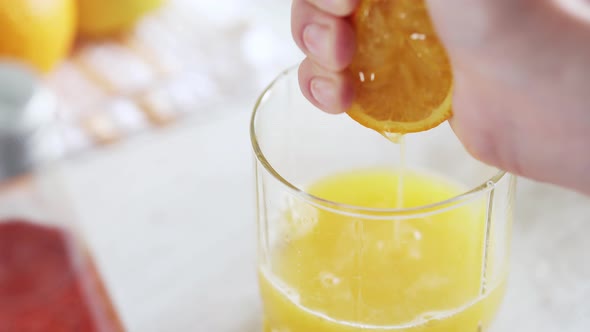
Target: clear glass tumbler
356,233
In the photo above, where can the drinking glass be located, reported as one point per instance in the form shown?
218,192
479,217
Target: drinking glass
329,266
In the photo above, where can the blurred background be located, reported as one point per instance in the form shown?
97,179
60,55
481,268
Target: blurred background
179,59
154,102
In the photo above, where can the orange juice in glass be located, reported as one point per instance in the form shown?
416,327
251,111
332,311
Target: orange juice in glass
355,236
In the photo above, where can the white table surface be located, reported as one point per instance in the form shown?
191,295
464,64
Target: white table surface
170,218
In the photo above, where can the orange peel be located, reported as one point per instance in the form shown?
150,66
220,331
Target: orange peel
402,75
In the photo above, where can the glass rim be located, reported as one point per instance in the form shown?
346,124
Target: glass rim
353,210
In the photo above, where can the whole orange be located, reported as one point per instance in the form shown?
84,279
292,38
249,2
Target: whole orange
37,32
100,18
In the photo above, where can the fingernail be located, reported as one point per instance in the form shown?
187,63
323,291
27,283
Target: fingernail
324,91
315,37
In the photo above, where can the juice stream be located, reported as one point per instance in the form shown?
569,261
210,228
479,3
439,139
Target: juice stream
398,140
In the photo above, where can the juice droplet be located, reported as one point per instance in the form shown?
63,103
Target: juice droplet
394,137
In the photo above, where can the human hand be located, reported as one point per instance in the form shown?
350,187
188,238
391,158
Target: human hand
521,70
